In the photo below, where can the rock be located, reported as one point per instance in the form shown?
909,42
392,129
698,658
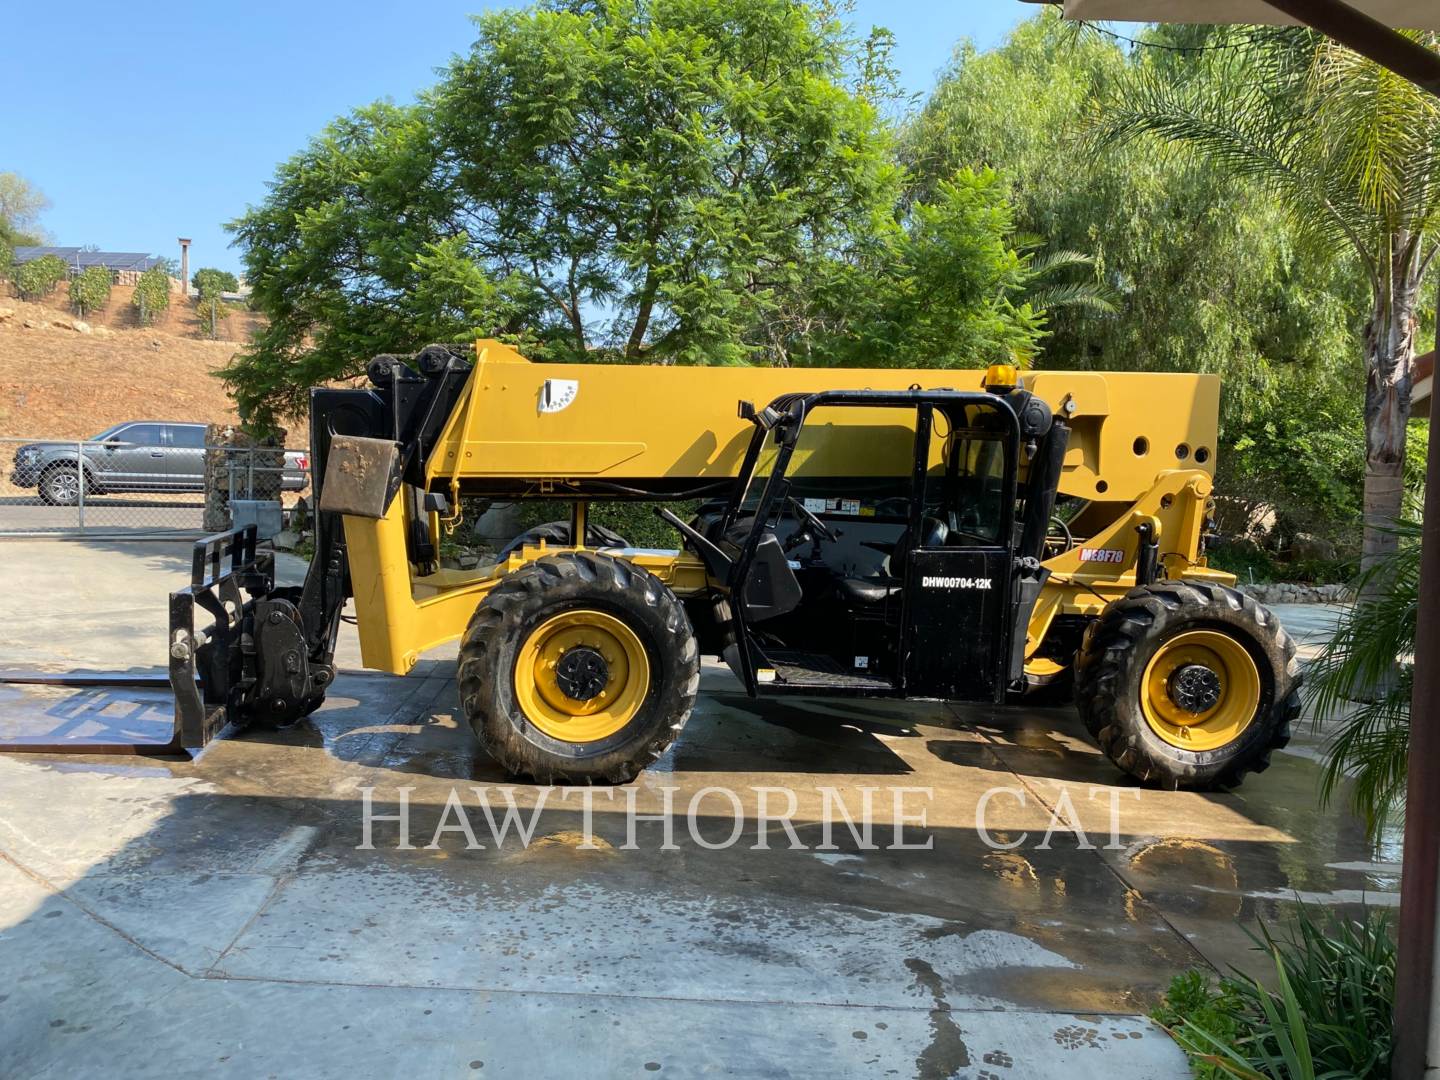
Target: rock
468,560
156,343
80,326
1308,547
35,324
60,322
287,540
6,313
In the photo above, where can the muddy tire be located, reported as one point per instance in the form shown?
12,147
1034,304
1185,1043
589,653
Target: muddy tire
1188,685
578,668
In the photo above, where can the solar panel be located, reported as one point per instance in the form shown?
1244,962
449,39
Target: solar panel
80,258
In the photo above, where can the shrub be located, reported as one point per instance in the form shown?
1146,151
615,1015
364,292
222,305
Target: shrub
1330,1014
152,294
208,279
38,278
211,284
90,289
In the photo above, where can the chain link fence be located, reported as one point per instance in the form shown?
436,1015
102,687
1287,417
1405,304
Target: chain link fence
142,481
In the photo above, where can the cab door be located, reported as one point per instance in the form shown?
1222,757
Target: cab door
958,575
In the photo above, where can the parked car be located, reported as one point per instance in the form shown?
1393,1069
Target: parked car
140,456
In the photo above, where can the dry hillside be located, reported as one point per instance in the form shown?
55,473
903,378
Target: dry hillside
60,381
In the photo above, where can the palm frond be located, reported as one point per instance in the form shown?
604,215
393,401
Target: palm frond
1252,131
1052,262
1362,677
1085,295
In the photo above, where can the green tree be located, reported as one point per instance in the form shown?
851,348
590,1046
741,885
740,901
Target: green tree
213,280
941,287
21,202
1349,150
152,294
212,283
38,277
1206,272
90,289
696,181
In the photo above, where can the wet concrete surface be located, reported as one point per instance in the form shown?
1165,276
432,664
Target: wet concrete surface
162,917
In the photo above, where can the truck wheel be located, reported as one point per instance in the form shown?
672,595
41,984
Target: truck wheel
60,485
1188,685
578,668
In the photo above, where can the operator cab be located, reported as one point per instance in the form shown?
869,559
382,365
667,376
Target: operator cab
874,543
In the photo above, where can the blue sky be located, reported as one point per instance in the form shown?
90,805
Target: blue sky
149,121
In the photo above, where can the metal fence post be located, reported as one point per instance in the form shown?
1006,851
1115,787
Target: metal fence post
80,471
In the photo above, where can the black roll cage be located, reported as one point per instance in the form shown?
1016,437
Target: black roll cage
788,413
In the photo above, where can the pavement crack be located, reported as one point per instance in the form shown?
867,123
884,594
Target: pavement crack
61,894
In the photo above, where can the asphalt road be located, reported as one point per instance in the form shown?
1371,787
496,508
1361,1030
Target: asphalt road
109,515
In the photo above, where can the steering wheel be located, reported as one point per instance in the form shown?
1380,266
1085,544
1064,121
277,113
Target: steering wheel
805,515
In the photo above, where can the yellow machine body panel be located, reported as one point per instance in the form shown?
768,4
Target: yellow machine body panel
553,423
1141,449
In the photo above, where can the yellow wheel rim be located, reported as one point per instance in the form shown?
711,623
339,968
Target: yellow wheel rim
1189,656
546,680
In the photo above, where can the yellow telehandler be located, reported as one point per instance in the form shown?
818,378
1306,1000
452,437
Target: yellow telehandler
972,536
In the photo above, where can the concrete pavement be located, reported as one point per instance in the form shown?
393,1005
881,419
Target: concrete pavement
224,914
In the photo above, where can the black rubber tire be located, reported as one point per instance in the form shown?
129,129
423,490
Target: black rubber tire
1120,644
558,532
514,608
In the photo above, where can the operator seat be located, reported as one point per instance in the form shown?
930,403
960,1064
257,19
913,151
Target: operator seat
876,590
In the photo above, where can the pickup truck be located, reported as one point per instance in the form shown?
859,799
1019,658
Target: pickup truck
140,456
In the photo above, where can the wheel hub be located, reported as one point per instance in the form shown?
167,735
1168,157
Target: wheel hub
582,673
1195,688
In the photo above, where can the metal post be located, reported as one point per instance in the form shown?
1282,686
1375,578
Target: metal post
80,471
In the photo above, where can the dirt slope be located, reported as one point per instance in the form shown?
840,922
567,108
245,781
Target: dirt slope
59,381
56,382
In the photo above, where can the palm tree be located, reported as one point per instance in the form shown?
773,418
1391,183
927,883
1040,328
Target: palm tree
1363,677
1351,150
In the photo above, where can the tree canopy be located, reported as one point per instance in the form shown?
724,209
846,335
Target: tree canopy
1211,272
696,181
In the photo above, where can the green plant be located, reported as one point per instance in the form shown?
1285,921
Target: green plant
1240,297
1329,1014
211,284
1195,1011
152,294
207,278
1348,149
713,176
90,289
38,277
1363,677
